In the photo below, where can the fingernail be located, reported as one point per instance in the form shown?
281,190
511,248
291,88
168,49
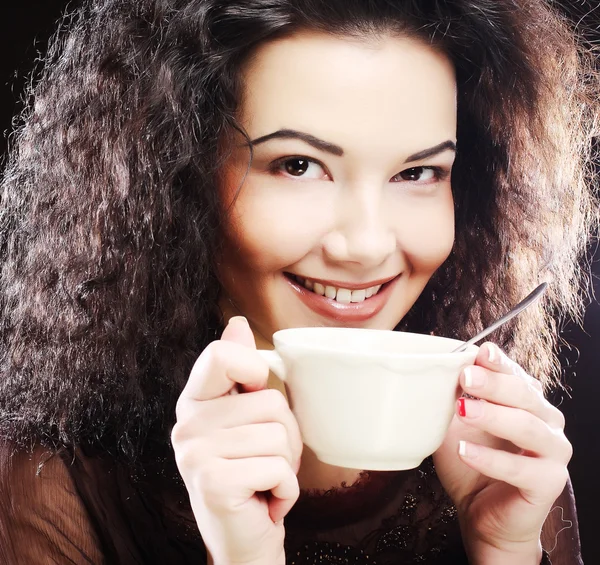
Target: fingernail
492,353
473,380
467,450
238,319
468,377
469,408
461,407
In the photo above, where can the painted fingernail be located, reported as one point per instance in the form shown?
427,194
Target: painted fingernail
473,379
467,450
468,408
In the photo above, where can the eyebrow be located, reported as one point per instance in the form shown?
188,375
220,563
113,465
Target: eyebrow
306,137
338,151
432,151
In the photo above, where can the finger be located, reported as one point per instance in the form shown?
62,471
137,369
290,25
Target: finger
510,387
493,358
262,474
279,508
254,440
510,390
259,407
520,427
238,331
221,367
538,481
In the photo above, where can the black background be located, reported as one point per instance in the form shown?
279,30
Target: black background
24,29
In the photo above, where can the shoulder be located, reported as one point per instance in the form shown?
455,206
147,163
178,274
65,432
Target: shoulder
41,514
30,474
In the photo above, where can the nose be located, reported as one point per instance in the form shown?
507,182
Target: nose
362,231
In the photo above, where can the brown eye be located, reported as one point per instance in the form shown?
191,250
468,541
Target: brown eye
300,168
296,167
413,174
418,174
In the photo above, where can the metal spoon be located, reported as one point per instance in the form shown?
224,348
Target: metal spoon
527,301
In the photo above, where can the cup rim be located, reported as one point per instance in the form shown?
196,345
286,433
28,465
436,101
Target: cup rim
280,337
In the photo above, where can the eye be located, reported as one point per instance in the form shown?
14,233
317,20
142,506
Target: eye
419,174
300,167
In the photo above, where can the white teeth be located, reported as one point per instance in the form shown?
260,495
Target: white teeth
359,295
344,296
330,292
319,289
341,295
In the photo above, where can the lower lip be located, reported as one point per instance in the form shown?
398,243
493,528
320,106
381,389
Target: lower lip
353,312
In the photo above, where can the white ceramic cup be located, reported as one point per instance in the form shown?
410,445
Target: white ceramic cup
369,399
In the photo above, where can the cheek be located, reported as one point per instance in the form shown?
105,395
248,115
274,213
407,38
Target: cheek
427,240
271,231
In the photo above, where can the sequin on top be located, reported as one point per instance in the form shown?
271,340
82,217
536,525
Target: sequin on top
403,517
82,507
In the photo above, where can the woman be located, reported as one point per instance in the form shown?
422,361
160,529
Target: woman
195,175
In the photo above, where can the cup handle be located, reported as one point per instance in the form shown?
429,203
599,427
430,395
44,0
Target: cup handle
275,362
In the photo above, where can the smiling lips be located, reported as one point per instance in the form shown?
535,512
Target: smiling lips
341,295
337,301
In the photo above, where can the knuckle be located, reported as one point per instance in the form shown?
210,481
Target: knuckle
537,385
190,420
569,451
181,408
567,448
178,435
212,482
189,454
185,458
559,417
279,435
215,355
529,397
282,466
275,400
530,426
295,494
560,477
515,368
513,468
534,388
503,358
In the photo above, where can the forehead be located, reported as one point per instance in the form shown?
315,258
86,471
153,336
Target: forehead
343,89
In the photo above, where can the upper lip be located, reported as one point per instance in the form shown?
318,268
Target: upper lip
348,285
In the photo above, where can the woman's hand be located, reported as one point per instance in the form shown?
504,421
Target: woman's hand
510,465
238,454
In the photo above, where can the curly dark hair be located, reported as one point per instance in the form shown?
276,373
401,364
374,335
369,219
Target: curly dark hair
110,221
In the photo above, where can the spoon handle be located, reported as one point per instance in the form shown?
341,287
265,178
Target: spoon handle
527,301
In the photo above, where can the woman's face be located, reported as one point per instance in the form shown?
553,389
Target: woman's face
346,210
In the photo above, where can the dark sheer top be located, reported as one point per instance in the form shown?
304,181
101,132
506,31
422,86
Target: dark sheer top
84,507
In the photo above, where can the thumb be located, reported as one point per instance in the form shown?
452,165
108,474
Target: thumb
238,330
